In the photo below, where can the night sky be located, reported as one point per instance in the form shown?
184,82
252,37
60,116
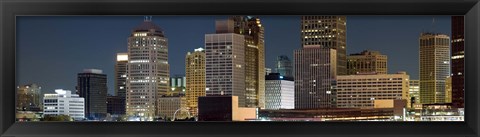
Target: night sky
51,50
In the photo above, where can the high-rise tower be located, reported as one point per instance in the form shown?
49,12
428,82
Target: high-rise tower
121,74
148,70
92,85
315,74
328,32
195,78
434,67
253,32
225,62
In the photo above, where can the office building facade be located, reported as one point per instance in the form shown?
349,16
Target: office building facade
173,107
64,103
29,98
121,74
92,85
195,78
414,92
361,91
253,31
225,62
279,92
448,90
148,71
367,62
315,74
328,32
458,62
434,67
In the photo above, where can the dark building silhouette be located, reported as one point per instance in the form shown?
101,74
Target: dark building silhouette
215,108
457,62
115,105
92,85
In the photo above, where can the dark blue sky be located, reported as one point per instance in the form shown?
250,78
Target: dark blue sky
51,50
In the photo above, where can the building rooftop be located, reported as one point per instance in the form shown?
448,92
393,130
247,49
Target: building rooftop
147,26
277,76
366,52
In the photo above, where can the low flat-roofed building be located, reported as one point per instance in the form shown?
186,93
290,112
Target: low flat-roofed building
64,103
361,90
170,107
223,108
384,110
441,112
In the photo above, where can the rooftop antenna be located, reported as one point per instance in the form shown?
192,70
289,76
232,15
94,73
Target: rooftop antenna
433,25
148,18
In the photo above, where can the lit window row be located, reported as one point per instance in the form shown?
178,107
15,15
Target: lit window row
140,34
458,57
139,61
322,36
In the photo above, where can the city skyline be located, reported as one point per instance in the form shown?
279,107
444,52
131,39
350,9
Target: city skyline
277,42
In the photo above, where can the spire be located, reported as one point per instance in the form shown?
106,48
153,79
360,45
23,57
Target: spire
433,25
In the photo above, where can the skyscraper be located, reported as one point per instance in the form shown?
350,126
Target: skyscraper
195,75
367,62
92,85
315,74
283,65
29,98
458,62
121,74
148,70
225,62
253,32
328,32
434,67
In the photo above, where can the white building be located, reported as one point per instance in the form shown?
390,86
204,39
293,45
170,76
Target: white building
360,91
279,92
64,103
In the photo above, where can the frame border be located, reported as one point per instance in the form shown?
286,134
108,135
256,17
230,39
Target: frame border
9,9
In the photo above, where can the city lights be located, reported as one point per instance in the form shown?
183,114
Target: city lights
235,71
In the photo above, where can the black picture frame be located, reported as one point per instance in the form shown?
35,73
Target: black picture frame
9,9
